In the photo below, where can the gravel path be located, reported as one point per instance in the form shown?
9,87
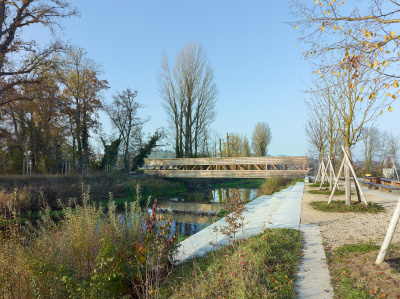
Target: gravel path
351,228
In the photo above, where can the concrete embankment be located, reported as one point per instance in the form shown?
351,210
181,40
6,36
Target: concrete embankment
280,210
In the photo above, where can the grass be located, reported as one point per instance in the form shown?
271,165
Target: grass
262,266
273,185
317,185
350,265
360,248
341,207
326,192
347,288
242,183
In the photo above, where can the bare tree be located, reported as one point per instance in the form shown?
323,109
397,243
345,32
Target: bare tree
371,139
189,95
353,107
246,147
233,147
316,137
393,146
261,139
123,112
383,148
321,129
336,27
15,16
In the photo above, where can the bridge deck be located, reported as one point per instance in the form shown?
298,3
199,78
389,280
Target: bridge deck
236,167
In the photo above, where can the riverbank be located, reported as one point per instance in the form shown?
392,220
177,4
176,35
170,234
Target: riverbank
352,241
33,193
89,253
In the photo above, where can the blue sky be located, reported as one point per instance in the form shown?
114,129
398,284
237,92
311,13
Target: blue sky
259,72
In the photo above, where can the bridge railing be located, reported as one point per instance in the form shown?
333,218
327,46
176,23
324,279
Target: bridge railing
234,167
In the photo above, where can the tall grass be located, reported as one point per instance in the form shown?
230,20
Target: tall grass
88,253
274,184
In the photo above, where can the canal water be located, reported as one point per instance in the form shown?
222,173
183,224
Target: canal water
194,210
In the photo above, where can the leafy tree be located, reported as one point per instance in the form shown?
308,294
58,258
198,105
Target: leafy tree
37,126
110,153
15,67
145,151
78,77
261,139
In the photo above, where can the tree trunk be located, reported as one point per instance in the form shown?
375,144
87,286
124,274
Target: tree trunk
347,183
330,178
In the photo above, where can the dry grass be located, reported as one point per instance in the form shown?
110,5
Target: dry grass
86,254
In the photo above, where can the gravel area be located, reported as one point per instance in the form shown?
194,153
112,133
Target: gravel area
351,228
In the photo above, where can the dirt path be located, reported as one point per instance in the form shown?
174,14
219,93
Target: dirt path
351,228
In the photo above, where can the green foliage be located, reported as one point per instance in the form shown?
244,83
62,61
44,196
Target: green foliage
222,213
110,153
15,159
145,151
262,266
341,207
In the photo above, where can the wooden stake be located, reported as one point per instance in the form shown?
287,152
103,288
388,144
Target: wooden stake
389,235
336,181
333,171
319,169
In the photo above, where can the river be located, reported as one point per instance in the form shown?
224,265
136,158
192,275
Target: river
194,210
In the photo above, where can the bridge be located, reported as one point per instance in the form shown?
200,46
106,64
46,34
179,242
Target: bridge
235,167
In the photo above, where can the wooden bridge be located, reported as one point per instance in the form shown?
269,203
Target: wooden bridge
235,167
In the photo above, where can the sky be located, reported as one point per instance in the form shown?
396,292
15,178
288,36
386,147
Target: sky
257,62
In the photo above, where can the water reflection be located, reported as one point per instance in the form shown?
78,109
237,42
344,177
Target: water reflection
194,210
220,195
